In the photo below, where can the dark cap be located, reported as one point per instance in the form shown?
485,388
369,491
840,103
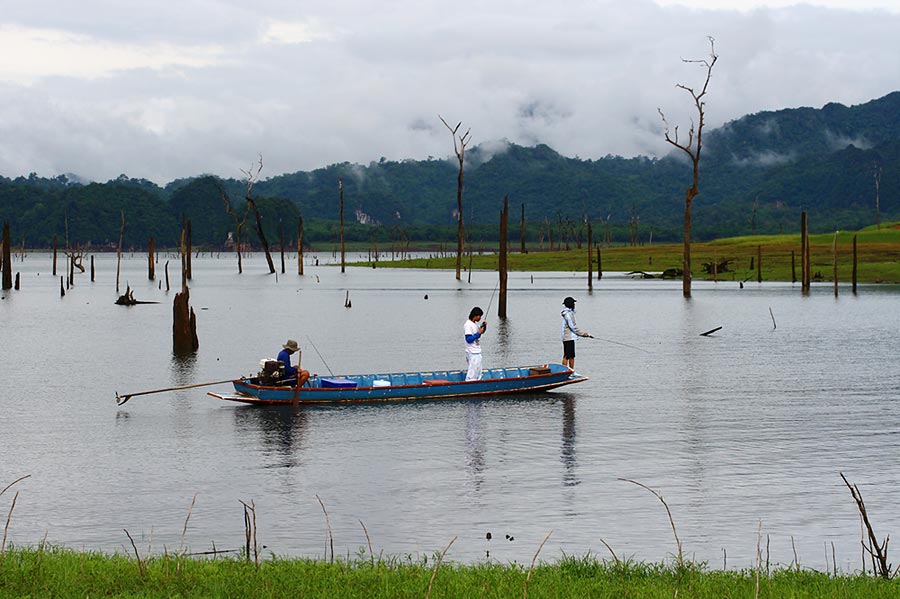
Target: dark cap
569,302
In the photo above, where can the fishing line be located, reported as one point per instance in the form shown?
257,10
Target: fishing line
320,355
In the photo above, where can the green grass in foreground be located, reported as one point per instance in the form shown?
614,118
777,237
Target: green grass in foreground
63,573
878,257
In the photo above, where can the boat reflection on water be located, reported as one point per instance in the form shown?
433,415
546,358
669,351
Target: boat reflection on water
282,430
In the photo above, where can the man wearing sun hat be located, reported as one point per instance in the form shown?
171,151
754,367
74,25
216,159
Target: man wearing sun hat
569,331
284,356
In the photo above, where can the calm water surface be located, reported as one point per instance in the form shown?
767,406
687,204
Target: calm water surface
744,430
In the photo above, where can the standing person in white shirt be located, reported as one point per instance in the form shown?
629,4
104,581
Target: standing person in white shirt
473,332
569,331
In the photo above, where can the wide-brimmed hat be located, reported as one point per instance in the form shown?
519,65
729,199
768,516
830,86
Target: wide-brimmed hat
291,345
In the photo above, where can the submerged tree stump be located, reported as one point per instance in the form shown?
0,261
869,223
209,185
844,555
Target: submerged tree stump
184,325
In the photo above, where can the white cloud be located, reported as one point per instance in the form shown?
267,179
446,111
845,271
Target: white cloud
162,94
32,54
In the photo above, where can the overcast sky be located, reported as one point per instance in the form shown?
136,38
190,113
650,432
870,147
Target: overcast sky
163,89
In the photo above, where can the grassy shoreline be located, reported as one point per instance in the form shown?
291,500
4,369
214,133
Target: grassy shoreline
878,258
63,573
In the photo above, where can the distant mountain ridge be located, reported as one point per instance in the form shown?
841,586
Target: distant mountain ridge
758,173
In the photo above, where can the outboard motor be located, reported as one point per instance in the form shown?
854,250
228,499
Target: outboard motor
270,371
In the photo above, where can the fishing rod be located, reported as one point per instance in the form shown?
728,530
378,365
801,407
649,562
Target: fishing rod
619,343
488,311
320,355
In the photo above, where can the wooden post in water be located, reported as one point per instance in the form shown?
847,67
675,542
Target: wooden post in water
16,284
590,257
7,259
119,252
793,268
62,287
599,264
92,268
853,274
804,256
343,260
54,255
504,224
281,243
834,262
522,235
715,264
151,269
300,244
759,264
167,275
189,272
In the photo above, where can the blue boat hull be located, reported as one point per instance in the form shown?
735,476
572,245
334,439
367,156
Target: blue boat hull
406,386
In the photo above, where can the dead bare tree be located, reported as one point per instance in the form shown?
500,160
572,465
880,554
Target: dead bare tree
251,176
692,149
460,150
238,222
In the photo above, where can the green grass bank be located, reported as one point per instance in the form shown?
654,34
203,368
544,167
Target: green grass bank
770,257
64,573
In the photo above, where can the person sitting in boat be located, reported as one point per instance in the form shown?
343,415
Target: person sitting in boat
473,332
290,372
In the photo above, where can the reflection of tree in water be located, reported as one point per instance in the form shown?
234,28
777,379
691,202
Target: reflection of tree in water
567,454
280,428
474,444
501,346
182,369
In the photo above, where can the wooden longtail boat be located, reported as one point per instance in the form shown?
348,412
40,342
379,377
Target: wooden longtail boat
439,384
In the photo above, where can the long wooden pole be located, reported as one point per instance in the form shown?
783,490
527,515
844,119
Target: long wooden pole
120,399
853,277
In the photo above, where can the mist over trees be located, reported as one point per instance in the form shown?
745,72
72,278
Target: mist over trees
759,173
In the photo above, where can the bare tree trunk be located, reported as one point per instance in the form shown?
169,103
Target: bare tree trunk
460,150
7,259
281,243
92,268
151,268
759,264
343,256
119,253
599,264
300,245
504,228
189,271
693,151
853,276
804,253
835,262
590,257
262,235
184,321
54,255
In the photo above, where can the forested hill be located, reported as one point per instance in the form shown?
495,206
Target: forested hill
757,174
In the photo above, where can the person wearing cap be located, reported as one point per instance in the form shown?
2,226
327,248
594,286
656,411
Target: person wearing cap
473,332
284,356
569,331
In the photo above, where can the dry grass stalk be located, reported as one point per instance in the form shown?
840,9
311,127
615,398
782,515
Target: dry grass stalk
758,556
250,531
6,527
437,565
186,520
668,511
531,567
328,524
142,567
368,541
21,478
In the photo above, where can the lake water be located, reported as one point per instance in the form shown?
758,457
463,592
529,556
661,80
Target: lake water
743,431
